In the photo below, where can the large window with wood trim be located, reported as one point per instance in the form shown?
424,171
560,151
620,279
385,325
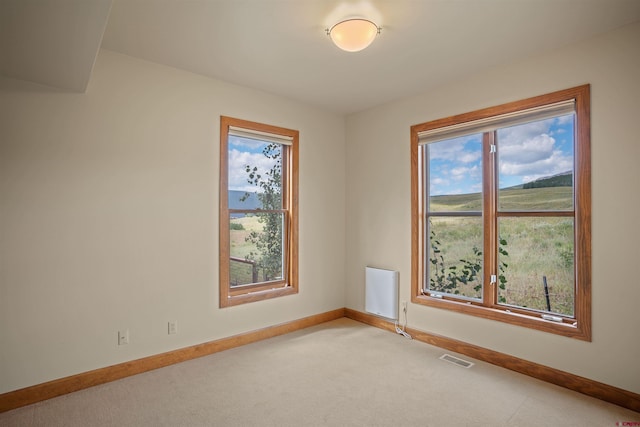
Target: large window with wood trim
501,213
258,211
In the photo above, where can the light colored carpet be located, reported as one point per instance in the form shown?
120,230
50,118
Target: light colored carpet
341,373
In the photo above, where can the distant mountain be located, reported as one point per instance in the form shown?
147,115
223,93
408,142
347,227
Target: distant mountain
236,202
564,179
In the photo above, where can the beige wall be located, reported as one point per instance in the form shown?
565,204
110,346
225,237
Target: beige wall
378,201
108,217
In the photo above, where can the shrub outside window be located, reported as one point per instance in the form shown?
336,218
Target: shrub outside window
501,210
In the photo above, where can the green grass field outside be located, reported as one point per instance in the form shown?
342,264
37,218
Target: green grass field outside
242,273
536,247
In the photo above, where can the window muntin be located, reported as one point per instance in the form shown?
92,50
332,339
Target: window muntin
258,211
542,142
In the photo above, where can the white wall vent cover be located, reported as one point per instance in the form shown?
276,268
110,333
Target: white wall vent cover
381,292
452,359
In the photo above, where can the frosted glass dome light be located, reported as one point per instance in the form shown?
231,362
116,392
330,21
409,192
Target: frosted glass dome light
353,35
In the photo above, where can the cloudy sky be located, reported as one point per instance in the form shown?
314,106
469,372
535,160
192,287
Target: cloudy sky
525,152
242,152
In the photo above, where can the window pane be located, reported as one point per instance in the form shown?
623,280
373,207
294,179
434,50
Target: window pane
455,256
256,248
255,174
455,174
532,250
535,165
255,183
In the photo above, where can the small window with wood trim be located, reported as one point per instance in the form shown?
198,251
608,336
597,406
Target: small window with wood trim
258,211
501,213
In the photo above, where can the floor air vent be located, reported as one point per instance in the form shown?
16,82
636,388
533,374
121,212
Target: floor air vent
455,360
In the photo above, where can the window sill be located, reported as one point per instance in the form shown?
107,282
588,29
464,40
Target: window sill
248,297
532,321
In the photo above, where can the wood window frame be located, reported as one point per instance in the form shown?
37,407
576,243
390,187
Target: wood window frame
580,326
289,284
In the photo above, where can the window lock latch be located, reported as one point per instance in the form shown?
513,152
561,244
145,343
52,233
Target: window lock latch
494,279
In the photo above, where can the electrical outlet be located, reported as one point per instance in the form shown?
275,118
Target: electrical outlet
404,306
172,327
123,337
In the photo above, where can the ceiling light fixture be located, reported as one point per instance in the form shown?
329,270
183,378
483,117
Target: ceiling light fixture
353,35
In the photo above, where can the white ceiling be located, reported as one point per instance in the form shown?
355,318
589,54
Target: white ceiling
280,46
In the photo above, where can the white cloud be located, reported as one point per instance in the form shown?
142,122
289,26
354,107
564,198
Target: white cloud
476,188
439,181
238,160
454,150
436,184
556,163
563,120
530,152
525,131
470,157
461,173
456,191
237,141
